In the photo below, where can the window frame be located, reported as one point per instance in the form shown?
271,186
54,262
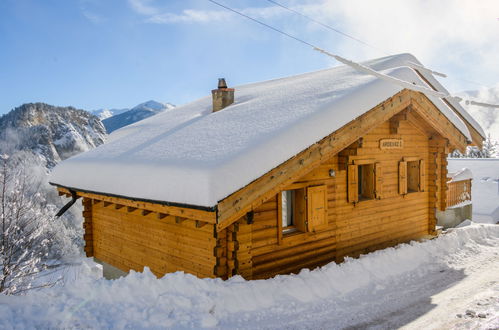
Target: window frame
354,181
301,226
404,175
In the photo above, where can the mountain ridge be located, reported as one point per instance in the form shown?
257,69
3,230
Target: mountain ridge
137,113
50,132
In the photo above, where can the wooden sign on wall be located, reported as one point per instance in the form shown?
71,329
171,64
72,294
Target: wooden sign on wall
391,144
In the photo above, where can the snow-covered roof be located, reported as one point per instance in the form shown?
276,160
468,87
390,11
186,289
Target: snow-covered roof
461,175
190,155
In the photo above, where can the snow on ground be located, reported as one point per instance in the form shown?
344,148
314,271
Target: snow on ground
484,187
448,282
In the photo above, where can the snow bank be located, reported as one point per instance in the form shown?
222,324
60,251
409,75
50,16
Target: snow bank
193,156
465,223
184,301
461,175
485,187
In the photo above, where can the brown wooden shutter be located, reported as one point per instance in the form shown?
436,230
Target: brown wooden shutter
378,181
300,210
317,207
353,184
403,178
422,175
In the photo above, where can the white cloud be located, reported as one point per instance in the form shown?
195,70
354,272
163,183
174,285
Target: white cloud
92,17
459,37
88,13
143,7
155,14
189,16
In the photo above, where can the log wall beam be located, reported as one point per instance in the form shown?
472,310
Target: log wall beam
193,214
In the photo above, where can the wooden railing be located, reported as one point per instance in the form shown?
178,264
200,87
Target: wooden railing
458,192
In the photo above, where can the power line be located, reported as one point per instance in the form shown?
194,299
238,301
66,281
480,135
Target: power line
363,42
358,66
328,26
261,23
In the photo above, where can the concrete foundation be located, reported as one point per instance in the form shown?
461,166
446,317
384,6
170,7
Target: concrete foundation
454,216
110,272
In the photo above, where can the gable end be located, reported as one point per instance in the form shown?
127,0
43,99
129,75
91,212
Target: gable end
254,194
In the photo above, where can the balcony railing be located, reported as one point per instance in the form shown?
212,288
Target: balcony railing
458,192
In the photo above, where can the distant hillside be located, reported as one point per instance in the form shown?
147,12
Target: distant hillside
53,133
488,118
141,111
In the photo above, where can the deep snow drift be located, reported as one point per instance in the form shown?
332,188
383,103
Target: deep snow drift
407,285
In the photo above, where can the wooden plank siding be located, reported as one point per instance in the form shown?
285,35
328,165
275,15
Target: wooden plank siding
360,227
129,240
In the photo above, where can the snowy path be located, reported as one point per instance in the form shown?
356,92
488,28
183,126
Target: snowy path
478,292
413,286
469,283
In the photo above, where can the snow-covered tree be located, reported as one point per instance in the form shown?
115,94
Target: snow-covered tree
490,150
25,228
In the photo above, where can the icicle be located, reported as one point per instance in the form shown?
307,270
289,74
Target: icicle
423,68
482,104
403,83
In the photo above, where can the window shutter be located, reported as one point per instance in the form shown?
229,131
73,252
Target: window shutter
378,181
300,210
353,184
403,178
422,175
317,207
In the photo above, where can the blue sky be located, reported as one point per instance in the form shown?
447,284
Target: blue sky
116,53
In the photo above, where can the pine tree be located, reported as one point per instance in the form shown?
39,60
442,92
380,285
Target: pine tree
490,148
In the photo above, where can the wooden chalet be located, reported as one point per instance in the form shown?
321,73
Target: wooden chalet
363,170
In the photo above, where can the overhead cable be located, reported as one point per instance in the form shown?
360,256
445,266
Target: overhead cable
327,26
362,68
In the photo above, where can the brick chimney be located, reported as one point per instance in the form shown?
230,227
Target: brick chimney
222,96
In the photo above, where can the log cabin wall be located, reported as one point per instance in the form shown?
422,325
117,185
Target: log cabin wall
352,228
394,218
130,239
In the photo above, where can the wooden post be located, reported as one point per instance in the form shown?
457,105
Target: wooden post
232,248
220,253
87,227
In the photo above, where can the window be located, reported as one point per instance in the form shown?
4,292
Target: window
364,181
411,175
292,206
302,210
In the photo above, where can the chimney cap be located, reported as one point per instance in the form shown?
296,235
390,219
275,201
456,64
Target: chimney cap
222,83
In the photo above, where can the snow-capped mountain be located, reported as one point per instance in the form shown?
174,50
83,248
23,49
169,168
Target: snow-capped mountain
107,113
53,133
488,118
139,112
